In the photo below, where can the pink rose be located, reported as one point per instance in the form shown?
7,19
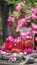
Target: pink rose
34,31
35,38
18,8
25,51
17,29
34,26
12,59
34,10
22,22
10,21
19,39
16,17
22,3
28,50
29,37
3,48
33,17
23,35
9,38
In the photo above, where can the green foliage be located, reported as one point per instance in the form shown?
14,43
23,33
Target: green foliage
10,1
28,2
15,2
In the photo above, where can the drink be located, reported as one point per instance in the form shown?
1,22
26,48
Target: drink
28,37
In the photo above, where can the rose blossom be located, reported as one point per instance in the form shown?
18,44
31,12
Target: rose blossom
16,17
35,38
12,59
3,52
3,48
18,8
23,35
9,38
10,21
22,3
33,17
22,22
34,13
27,17
17,29
34,10
25,51
28,50
34,26
9,42
34,31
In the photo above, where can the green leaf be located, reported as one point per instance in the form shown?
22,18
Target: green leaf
29,11
35,3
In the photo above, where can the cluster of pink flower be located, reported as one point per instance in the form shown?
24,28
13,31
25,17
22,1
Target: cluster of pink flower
12,59
19,6
12,44
10,21
21,23
33,17
34,14
16,45
26,35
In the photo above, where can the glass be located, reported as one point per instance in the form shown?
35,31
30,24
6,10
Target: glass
28,37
